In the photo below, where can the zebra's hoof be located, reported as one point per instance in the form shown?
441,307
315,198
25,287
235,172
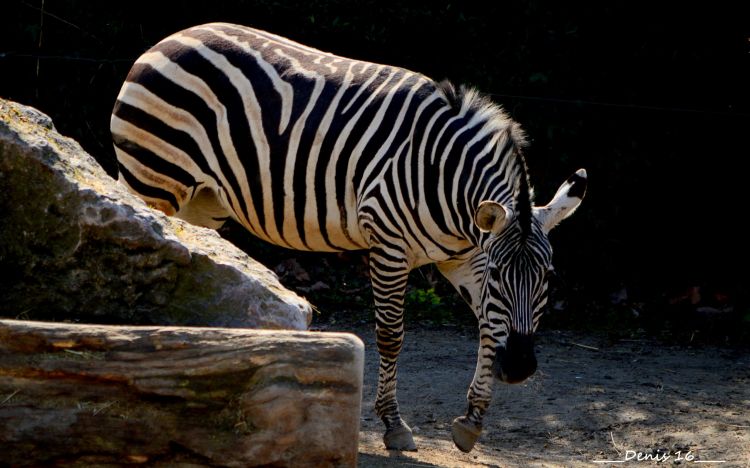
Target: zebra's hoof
399,438
465,433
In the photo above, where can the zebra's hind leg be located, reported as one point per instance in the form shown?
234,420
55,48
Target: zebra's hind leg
389,272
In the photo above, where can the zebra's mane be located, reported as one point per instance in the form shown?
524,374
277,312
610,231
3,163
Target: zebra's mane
464,99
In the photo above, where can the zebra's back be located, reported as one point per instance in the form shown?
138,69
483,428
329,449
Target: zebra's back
286,138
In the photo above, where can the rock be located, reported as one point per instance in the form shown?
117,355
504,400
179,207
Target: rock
75,245
102,395
317,286
291,269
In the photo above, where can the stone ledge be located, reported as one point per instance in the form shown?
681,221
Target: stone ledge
77,395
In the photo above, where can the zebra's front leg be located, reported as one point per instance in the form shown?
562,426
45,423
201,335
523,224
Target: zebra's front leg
466,276
466,429
389,273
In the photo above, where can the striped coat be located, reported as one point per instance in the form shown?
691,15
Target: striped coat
312,151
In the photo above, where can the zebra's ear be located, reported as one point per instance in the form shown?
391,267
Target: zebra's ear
491,217
565,201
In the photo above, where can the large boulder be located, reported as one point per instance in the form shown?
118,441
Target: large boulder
75,245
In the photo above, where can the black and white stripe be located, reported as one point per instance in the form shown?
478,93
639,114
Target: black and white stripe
316,152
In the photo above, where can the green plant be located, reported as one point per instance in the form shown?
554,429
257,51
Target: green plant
426,304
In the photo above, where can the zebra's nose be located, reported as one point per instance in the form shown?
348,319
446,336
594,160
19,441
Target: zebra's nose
516,361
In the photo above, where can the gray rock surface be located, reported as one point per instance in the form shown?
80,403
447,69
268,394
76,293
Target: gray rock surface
75,245
101,395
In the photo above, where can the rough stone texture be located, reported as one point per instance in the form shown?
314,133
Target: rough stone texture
100,395
75,245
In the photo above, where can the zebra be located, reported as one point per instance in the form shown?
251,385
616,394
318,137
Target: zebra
316,152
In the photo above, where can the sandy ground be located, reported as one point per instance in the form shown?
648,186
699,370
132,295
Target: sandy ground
590,400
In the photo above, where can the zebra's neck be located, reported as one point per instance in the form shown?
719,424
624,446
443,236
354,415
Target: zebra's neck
465,150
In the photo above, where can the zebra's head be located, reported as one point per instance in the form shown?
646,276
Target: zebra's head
514,285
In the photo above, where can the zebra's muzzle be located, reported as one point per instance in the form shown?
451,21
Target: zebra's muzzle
516,361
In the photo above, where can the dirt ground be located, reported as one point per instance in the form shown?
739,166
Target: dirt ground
590,400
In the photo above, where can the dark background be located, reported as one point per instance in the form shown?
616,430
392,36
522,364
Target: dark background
652,98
